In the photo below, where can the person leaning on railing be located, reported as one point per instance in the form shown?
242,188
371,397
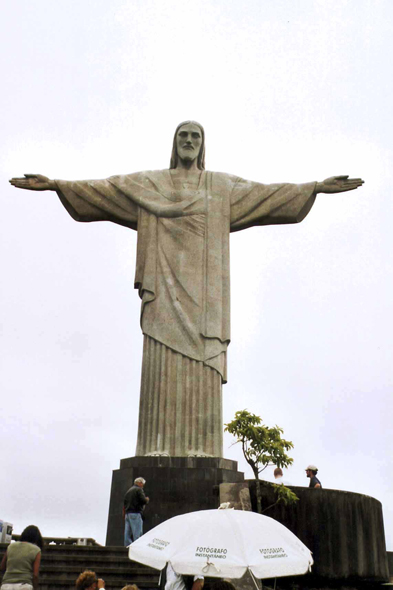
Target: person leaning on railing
21,562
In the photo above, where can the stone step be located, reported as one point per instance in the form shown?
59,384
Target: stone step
96,550
110,568
61,564
76,568
109,560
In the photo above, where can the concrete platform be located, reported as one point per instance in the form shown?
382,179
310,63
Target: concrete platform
175,485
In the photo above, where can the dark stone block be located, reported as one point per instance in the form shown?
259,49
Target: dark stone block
175,485
390,563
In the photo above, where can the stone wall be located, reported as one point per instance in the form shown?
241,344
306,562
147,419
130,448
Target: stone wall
344,531
175,485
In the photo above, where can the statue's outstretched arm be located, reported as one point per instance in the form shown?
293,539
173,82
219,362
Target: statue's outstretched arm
34,182
338,184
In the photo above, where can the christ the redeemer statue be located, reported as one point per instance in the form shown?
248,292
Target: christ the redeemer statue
184,216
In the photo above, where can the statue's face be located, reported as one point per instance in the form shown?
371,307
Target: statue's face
188,142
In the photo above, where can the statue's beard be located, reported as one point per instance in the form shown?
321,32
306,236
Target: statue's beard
188,155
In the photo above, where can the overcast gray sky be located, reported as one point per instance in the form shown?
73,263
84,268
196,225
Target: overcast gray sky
287,91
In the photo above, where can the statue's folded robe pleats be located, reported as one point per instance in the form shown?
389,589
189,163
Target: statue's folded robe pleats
188,314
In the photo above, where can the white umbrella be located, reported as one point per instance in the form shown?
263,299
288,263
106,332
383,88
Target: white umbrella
224,544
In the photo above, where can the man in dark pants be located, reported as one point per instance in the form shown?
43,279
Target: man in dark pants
311,472
134,504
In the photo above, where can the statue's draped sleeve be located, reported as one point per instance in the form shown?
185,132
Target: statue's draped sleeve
254,203
118,199
98,200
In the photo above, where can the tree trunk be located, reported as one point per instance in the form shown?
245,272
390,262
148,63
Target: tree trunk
258,495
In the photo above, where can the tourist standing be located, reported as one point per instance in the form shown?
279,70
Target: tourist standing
278,477
170,580
311,472
133,507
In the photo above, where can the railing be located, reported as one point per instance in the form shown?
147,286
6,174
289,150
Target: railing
66,541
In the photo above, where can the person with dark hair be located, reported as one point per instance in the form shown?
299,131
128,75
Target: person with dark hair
88,580
21,562
311,472
32,534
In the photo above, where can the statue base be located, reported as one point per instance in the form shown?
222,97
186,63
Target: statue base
343,530
175,485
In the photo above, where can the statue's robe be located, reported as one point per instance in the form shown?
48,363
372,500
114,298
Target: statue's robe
182,274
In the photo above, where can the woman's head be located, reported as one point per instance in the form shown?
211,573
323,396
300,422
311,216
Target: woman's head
130,587
86,580
32,534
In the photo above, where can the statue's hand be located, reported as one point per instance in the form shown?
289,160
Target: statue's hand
338,184
34,182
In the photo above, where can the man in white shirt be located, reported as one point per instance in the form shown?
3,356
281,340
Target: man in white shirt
174,581
278,476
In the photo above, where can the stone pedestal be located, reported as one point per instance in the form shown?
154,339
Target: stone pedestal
175,485
344,531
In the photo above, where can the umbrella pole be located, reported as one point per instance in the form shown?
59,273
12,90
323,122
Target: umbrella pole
255,580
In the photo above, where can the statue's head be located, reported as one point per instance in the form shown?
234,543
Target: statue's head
189,143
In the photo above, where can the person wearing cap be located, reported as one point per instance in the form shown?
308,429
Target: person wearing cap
311,472
133,507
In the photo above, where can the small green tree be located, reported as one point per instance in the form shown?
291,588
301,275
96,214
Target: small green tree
262,446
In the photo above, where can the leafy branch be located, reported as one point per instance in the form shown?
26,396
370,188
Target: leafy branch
262,446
